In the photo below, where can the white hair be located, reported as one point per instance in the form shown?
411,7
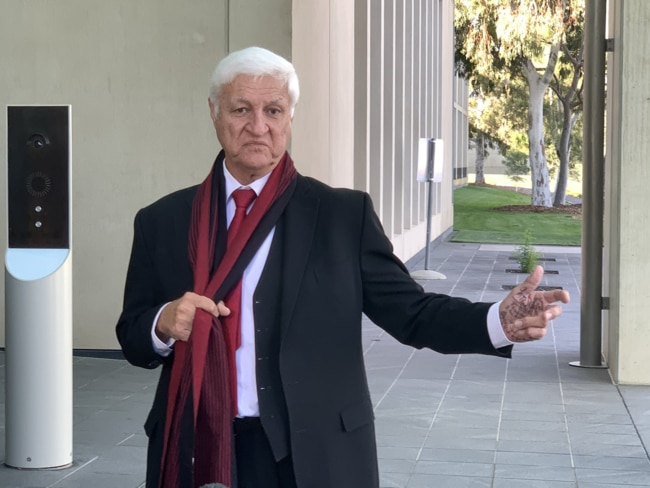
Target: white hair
254,61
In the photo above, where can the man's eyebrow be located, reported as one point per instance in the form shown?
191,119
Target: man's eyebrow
242,100
275,101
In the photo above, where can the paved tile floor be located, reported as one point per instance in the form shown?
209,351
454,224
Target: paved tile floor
442,421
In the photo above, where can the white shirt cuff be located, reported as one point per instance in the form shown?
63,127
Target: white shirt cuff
495,329
163,349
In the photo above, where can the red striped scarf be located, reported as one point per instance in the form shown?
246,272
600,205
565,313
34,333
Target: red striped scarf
201,365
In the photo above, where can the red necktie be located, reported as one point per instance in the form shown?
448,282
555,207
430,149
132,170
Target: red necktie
243,198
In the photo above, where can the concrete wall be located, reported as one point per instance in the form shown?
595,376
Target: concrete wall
627,231
323,54
403,91
265,23
136,74
375,76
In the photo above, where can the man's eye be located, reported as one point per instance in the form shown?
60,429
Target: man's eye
240,110
274,111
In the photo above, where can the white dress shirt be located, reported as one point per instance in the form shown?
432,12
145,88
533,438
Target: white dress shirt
247,402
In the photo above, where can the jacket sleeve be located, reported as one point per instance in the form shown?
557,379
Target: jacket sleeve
140,305
399,305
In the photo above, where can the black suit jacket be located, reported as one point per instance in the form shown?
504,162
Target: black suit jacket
337,264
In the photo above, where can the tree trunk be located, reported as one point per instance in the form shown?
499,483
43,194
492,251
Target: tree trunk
537,85
563,148
480,159
569,120
541,194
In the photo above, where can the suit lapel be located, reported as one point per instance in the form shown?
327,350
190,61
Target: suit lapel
299,224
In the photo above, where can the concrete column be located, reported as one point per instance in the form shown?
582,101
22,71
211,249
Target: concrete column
628,172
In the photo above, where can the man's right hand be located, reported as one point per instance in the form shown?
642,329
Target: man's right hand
175,321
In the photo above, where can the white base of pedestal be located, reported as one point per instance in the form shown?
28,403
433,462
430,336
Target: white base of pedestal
427,274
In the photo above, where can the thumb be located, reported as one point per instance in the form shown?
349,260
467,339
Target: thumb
534,279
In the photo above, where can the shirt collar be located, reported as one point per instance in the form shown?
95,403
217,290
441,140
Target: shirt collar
232,184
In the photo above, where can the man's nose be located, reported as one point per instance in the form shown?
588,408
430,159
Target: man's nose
257,123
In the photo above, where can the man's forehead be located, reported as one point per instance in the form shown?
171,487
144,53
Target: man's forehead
247,85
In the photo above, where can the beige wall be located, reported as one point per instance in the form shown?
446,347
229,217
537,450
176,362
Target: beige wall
136,74
627,220
264,23
323,54
403,91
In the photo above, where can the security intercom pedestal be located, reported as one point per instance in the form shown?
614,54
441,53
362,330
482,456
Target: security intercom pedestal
429,171
38,289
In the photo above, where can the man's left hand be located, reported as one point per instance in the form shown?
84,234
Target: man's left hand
525,313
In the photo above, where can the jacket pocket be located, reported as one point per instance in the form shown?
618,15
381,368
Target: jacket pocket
357,416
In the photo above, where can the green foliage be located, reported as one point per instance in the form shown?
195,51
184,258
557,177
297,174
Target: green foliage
476,219
526,255
516,163
494,37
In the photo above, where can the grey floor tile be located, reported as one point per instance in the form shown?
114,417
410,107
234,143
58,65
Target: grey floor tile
531,408
393,480
18,478
102,480
534,459
598,418
612,463
392,465
533,472
400,441
429,481
534,446
613,477
457,455
462,443
552,437
605,439
603,485
533,425
481,470
533,415
400,453
600,428
609,450
524,483
536,392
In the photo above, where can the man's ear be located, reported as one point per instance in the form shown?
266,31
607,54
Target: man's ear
212,116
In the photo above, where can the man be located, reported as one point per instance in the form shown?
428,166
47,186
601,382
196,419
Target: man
258,325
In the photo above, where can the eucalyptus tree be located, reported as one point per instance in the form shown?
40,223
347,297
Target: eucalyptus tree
500,40
567,87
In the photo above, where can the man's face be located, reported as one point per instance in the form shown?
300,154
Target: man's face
253,125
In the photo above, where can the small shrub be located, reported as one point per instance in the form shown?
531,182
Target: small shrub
526,255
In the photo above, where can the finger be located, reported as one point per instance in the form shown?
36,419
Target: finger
183,334
222,309
207,304
557,296
534,279
553,312
532,334
539,320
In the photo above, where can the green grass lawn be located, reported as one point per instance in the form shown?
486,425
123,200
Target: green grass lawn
476,220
